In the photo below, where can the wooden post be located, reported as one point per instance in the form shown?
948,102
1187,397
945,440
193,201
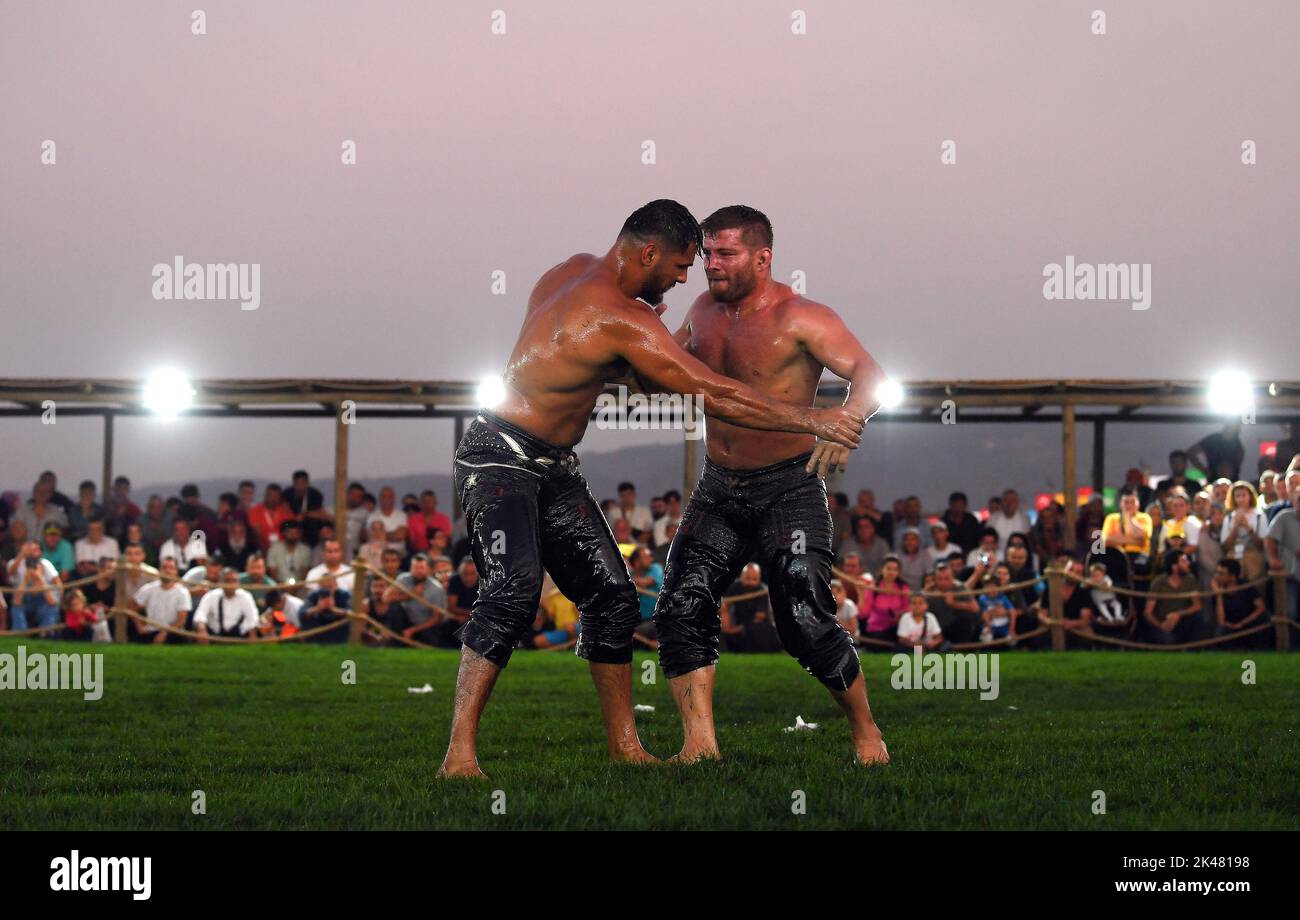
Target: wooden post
455,496
120,600
341,478
690,465
108,459
359,592
1098,456
1068,485
1281,631
1056,606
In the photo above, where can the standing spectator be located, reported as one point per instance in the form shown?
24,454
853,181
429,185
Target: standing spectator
421,525
841,523
638,516
308,505
93,547
871,548
911,520
50,483
119,511
40,511
964,528
156,524
1209,543
1092,519
372,551
354,519
1286,484
289,558
1165,612
247,492
1244,531
1219,455
919,627
914,565
36,589
884,602
200,516
266,518
85,510
1283,546
984,556
1136,481
1180,521
164,602
228,611
866,507
1178,473
1011,518
393,519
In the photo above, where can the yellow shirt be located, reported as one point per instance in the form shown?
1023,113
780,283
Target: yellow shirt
1114,527
560,609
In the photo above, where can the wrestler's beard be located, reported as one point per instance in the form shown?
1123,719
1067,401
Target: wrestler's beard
738,288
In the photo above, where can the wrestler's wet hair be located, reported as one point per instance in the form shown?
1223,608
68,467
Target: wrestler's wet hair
755,229
664,221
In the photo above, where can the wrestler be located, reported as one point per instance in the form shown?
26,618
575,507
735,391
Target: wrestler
762,497
588,322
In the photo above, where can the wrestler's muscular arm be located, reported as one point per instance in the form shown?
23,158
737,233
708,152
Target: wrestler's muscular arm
638,337
829,342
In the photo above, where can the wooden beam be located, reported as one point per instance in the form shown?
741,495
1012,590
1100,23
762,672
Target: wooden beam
107,469
1067,479
1098,455
341,431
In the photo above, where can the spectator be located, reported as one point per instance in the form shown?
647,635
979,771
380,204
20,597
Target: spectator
199,579
1009,519
648,576
247,493
187,547
133,558
1244,531
746,614
963,527
838,505
12,544
1166,611
354,519
884,602
421,525
40,511
866,507
1268,492
228,611
958,616
624,536
1091,522
308,505
1235,610
327,604
1283,547
855,576
80,619
415,594
37,588
393,519
984,556
558,621
1288,448
156,524
1209,543
200,516
1129,530
1219,455
389,613
267,518
1178,473
462,592
1047,536
661,549
911,520
672,518
332,565
845,610
59,551
628,510
871,549
1090,605
919,628
443,569
289,558
1180,522
238,546
84,511
940,546
997,611
1136,481
164,602
372,552
1286,484
119,511
95,545
50,483
913,563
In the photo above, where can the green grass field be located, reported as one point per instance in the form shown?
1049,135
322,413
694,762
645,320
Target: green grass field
276,740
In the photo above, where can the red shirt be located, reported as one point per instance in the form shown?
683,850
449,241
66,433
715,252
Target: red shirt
417,528
266,523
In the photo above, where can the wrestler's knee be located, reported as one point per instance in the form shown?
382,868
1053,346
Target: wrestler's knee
807,623
608,623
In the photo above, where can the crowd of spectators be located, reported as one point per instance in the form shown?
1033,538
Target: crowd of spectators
903,577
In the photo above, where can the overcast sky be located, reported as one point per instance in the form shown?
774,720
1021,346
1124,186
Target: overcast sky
478,152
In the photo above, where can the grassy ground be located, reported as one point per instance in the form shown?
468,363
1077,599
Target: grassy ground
276,740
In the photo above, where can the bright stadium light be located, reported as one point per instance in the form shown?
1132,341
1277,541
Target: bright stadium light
889,394
1230,393
168,392
491,391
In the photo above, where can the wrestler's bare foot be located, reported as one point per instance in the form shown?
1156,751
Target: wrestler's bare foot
461,768
633,755
871,750
695,753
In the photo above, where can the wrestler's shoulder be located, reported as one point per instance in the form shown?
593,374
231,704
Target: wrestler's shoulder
795,307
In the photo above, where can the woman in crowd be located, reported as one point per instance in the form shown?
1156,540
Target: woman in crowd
1244,530
884,602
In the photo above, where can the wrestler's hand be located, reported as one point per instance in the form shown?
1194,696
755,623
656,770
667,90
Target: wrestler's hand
838,424
828,458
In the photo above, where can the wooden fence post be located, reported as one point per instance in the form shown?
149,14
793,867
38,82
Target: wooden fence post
119,600
1281,631
357,626
1056,607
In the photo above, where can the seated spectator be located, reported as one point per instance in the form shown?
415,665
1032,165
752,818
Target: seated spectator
421,525
1165,613
164,602
289,558
462,592
884,603
392,517
940,545
1047,536
746,614
59,552
624,536
37,589
156,525
1010,518
188,548
83,511
228,611
267,517
672,517
637,516
855,577
390,614
911,520
40,511
307,504
1130,531
985,556
871,548
332,565
1103,610
919,627
997,611
256,581
81,621
845,610
94,546
101,594
415,594
912,561
648,576
372,551
442,569
558,622
661,549
238,546
327,604
1236,610
200,579
958,615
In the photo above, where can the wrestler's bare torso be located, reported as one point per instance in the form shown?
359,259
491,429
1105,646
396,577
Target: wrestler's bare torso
761,345
563,358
